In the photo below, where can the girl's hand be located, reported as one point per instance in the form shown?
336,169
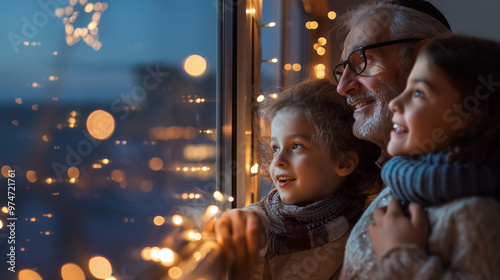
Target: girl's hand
240,235
392,227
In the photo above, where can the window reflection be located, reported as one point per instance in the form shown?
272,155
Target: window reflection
108,117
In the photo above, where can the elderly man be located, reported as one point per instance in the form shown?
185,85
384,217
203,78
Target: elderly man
380,48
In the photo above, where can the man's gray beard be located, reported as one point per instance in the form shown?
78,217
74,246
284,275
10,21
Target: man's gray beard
377,127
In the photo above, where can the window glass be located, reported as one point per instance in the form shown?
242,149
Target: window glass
108,120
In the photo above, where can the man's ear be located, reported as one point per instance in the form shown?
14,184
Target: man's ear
347,163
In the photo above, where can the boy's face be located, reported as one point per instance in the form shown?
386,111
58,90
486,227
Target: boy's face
426,114
300,170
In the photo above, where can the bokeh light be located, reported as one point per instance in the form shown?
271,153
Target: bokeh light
5,170
332,15
117,175
146,254
28,274
166,256
175,272
100,124
177,220
218,196
100,267
155,254
71,271
73,172
31,176
195,65
155,164
158,220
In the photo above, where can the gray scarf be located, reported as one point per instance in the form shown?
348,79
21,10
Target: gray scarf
294,228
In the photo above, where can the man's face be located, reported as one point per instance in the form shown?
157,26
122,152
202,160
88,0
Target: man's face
370,92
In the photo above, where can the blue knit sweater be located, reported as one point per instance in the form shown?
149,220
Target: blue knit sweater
431,179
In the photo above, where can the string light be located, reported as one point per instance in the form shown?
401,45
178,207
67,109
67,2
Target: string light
332,15
271,24
273,60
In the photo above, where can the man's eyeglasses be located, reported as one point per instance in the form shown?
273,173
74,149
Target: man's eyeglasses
357,59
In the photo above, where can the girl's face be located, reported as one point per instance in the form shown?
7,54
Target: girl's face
300,170
426,113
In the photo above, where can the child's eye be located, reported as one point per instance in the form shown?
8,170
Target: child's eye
275,149
418,93
297,146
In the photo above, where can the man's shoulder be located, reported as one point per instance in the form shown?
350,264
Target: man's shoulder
382,199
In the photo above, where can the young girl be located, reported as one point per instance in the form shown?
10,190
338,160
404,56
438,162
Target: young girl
322,174
447,120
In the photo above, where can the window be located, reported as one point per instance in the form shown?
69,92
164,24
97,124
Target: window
109,121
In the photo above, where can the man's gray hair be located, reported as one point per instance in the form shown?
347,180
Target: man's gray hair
402,22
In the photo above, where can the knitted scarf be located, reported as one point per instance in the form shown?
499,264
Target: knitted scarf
431,179
294,228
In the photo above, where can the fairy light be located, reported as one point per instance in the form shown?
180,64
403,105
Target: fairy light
146,254
321,51
212,210
273,60
159,220
322,41
175,272
254,169
332,15
177,220
260,98
218,196
155,254
271,24
167,256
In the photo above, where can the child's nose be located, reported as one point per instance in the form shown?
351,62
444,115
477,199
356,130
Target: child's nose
280,160
395,105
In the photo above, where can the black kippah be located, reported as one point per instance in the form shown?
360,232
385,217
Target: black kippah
424,7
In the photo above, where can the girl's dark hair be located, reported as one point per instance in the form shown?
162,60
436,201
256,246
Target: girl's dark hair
331,119
472,65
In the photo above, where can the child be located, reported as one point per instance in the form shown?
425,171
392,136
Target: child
322,174
445,137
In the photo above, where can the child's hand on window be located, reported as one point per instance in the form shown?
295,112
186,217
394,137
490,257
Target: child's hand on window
241,236
392,227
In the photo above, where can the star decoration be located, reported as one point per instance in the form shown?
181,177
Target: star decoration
89,33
